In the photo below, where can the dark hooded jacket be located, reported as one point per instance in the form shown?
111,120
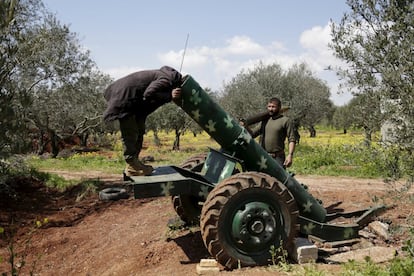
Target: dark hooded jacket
140,93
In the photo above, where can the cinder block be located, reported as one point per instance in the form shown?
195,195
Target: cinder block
304,251
207,270
208,262
207,267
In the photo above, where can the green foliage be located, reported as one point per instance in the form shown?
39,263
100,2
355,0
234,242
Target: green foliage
171,118
342,118
409,245
9,169
17,167
279,258
80,162
351,160
402,266
364,112
307,96
50,89
367,268
328,154
375,42
247,94
310,270
15,18
52,180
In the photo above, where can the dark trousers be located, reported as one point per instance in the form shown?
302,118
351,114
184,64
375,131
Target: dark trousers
132,135
279,157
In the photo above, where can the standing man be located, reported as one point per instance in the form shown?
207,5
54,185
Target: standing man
130,100
274,132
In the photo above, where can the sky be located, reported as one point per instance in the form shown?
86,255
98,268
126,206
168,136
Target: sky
212,40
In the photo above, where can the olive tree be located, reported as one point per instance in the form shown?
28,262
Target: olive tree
71,111
57,76
341,118
50,87
376,40
247,93
306,96
16,17
364,110
171,117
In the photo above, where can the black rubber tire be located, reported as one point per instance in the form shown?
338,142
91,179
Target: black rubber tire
231,211
114,193
194,163
187,207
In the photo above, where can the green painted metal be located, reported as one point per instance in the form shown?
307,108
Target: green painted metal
236,141
338,232
328,232
182,182
218,166
254,226
367,216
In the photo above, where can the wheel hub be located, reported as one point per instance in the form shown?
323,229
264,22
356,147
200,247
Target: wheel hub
254,225
257,227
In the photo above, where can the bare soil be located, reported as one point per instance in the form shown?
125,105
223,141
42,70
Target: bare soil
86,236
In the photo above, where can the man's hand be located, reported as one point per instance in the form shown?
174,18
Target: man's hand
176,93
288,161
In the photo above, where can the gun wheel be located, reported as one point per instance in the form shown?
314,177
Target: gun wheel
244,216
194,163
188,207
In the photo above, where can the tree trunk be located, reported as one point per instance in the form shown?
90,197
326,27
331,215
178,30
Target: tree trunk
345,131
41,143
312,131
157,140
84,139
176,145
54,139
368,136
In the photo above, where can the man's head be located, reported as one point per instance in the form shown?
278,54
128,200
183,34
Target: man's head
174,75
273,106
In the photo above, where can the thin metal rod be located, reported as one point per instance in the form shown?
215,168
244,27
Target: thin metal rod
185,49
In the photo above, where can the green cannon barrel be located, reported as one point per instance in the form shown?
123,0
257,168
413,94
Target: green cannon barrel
235,140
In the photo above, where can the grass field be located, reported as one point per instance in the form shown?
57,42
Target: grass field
329,153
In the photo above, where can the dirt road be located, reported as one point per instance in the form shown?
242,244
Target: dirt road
86,236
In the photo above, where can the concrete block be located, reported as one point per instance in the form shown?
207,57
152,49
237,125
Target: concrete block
304,251
208,262
207,270
207,267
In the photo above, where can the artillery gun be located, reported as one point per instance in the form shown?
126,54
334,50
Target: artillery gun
244,201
